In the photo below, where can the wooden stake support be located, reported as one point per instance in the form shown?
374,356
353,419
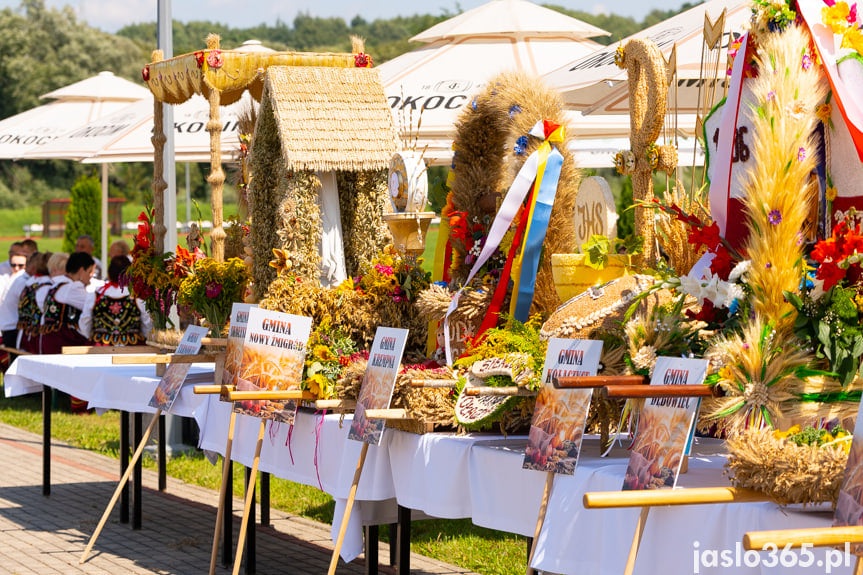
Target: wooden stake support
105,349
222,489
509,391
392,413
343,528
119,489
335,404
657,497
636,541
817,537
166,358
250,497
599,381
270,395
434,383
14,350
543,507
640,391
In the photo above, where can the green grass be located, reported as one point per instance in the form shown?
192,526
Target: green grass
454,541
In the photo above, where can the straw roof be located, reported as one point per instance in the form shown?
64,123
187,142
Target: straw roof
329,118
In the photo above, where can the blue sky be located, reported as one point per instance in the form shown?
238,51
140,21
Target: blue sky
110,15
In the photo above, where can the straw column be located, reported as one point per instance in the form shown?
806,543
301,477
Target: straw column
159,184
216,178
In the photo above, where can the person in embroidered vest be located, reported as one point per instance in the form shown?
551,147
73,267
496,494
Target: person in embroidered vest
29,314
111,315
64,304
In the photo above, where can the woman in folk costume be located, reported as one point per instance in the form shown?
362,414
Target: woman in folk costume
29,314
111,315
64,303
57,271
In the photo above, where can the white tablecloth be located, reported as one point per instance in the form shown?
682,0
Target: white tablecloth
446,475
97,381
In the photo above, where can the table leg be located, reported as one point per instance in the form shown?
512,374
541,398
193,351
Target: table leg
403,563
250,529
529,546
265,499
228,519
124,465
137,434
47,392
163,455
393,529
372,556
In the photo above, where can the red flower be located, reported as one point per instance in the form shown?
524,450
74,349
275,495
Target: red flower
706,236
213,289
362,60
199,58
722,263
830,273
145,73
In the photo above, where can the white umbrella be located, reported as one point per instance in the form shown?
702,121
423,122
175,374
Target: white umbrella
74,106
465,52
124,136
595,85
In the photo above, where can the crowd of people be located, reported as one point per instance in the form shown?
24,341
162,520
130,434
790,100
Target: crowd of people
51,300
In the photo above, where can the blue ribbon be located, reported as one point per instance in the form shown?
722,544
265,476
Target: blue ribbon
536,235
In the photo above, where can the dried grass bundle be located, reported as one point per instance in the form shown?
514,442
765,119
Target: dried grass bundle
673,235
787,472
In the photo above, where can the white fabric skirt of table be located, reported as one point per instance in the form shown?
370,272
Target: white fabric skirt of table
479,476
99,382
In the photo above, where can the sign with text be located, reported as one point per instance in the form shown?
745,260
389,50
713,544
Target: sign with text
664,426
557,427
170,384
236,335
273,356
595,213
379,382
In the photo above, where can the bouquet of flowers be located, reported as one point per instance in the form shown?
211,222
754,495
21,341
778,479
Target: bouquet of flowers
390,277
212,288
155,278
330,351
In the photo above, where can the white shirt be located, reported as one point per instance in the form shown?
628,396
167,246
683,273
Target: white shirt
6,282
6,268
85,322
9,306
43,293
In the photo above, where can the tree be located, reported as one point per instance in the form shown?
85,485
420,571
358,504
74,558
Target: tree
84,215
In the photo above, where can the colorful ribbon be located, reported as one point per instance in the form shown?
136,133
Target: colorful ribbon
521,185
545,190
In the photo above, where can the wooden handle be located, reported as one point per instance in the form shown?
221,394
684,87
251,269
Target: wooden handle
639,391
498,391
655,497
14,350
270,395
167,358
599,381
212,389
818,537
349,504
386,414
335,404
434,383
104,349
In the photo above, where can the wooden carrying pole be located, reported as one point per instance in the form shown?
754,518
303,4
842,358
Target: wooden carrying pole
168,358
639,391
226,467
816,537
543,507
508,391
343,528
589,381
123,481
250,497
271,395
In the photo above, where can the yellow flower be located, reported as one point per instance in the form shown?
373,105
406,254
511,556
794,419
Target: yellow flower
853,38
726,373
823,112
323,353
831,193
836,16
794,429
780,434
